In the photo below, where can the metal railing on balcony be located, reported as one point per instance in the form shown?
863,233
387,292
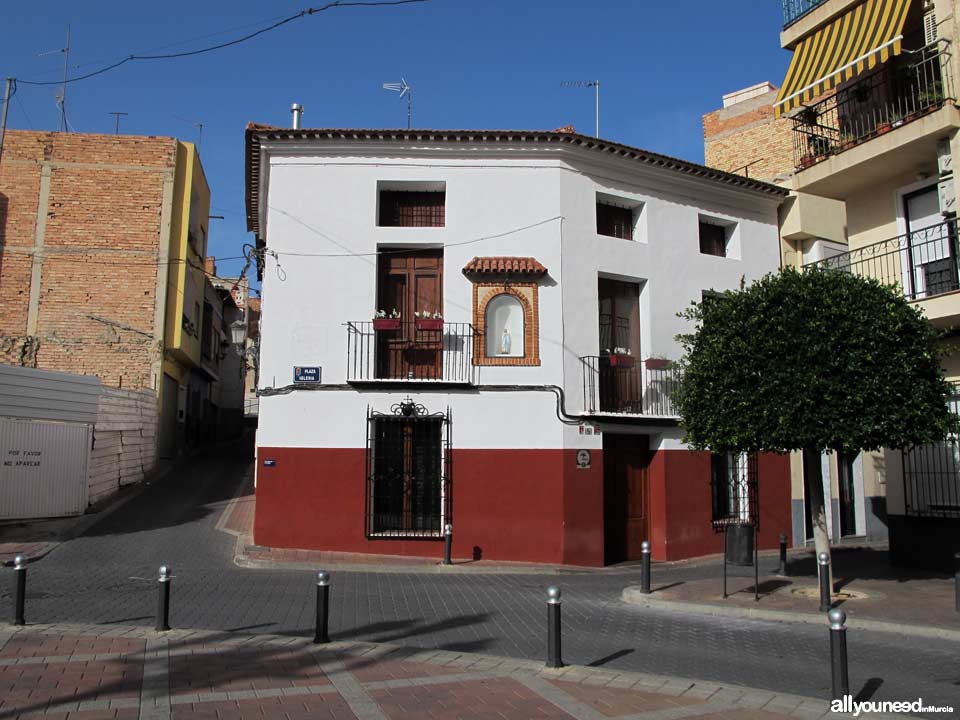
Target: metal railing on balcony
619,384
793,10
903,90
922,263
417,351
931,475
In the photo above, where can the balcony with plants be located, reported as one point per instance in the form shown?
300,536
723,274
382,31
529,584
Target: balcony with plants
616,383
901,91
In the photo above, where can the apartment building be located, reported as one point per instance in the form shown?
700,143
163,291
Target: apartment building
102,239
869,101
478,328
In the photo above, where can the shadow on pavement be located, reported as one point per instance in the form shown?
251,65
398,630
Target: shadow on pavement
611,657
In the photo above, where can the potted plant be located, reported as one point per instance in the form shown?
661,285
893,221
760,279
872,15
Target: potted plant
426,321
809,116
621,358
382,321
807,160
847,140
657,363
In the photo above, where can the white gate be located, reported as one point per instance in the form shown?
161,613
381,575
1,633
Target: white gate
43,468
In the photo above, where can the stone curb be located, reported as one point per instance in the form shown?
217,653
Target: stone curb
633,596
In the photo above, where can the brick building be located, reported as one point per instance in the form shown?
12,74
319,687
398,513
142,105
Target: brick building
746,138
101,246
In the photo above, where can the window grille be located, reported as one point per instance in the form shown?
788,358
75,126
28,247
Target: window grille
713,239
401,208
614,221
408,490
733,488
931,475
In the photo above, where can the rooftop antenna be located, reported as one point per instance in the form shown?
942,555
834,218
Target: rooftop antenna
595,84
197,124
117,116
61,96
404,89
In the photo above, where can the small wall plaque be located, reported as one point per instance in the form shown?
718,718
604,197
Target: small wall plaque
583,459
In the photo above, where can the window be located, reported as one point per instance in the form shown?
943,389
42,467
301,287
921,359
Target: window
408,490
503,327
206,332
412,208
733,488
713,239
614,221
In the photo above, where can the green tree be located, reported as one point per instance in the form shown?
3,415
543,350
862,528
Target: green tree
811,361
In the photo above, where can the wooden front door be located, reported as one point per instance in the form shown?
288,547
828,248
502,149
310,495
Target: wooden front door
410,282
626,495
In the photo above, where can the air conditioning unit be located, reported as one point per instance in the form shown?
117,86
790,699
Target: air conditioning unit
948,197
944,157
929,28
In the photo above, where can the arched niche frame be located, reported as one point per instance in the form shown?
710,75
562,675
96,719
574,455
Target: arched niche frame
506,297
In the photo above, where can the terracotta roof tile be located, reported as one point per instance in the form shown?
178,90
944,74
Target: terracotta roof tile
504,266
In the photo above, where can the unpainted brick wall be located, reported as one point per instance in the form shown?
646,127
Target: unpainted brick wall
749,131
100,249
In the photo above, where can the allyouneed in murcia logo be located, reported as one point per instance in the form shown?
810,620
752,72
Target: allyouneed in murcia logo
847,704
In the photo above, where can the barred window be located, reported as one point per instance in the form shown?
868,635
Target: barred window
931,474
402,208
733,486
408,490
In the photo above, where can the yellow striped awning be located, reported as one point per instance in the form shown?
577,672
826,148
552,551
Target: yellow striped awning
866,34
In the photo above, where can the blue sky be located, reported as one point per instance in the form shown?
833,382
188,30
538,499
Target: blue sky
472,64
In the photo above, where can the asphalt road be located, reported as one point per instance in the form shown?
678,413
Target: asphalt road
108,576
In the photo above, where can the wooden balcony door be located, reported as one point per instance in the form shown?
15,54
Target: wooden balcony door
619,304
410,281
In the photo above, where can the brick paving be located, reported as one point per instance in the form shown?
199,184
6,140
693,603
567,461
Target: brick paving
107,576
236,676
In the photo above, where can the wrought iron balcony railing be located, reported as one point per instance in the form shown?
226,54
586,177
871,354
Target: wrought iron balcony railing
903,90
414,351
620,384
922,263
793,10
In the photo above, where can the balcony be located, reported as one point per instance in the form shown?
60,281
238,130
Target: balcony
922,264
793,10
410,352
620,385
903,90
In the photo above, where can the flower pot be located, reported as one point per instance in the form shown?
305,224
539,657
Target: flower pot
656,363
386,324
622,361
882,128
806,161
429,323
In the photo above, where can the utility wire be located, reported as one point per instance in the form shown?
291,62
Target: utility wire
189,53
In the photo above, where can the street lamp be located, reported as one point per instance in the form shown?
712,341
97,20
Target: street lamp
238,335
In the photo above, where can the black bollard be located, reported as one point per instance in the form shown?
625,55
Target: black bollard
783,554
553,628
447,544
163,601
823,562
838,654
321,634
645,567
956,578
20,567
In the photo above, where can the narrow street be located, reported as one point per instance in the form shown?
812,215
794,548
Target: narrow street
108,576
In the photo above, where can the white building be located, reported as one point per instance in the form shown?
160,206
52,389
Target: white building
536,416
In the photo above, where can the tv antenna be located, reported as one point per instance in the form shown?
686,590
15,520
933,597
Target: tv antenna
404,89
197,124
595,84
61,96
117,116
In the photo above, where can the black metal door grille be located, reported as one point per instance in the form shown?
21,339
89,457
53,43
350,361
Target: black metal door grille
408,486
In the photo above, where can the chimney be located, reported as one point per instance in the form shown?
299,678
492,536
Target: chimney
210,265
297,109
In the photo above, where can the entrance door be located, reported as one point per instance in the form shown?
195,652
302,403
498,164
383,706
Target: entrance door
626,495
168,417
410,282
619,304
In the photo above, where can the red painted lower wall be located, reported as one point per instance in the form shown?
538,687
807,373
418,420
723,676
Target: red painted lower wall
510,505
514,505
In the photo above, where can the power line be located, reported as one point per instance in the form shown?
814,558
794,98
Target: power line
189,53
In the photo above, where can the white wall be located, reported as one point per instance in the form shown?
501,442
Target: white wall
323,200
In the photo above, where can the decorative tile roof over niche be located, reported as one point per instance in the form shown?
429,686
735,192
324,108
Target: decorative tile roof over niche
487,266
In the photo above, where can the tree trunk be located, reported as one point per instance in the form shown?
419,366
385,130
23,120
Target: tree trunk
813,486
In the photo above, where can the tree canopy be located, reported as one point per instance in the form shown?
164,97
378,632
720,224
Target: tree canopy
821,359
